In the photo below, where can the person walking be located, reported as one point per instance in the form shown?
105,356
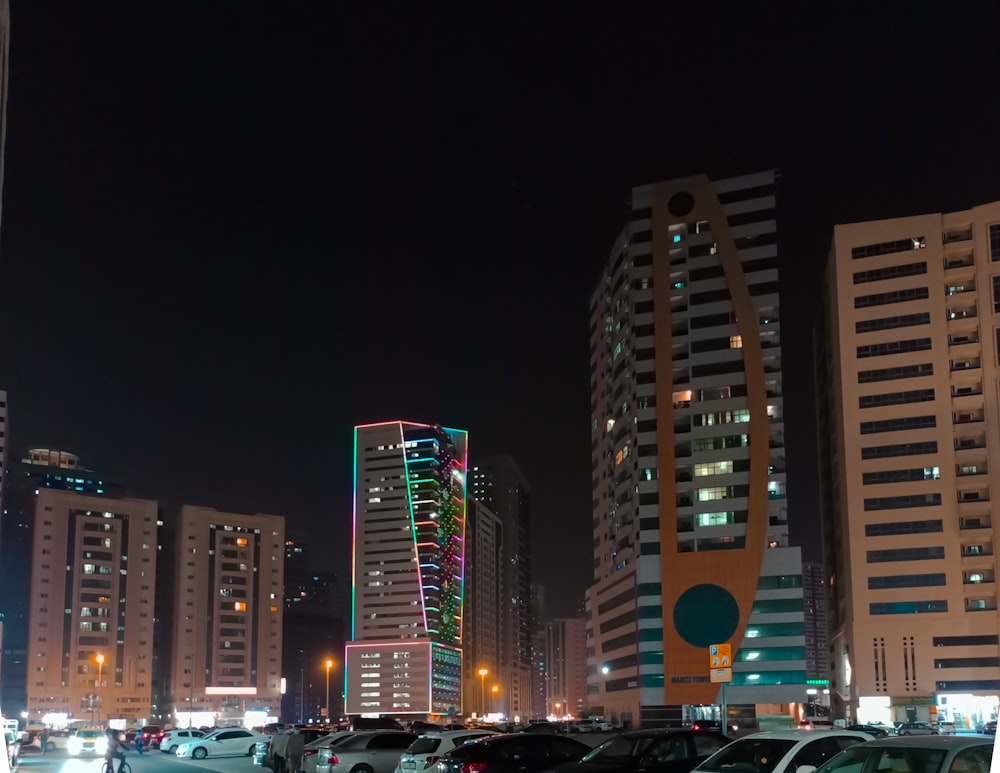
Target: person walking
294,750
278,745
138,742
43,738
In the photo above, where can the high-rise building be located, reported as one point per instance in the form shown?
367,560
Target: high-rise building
498,483
688,459
91,621
814,596
566,666
227,611
907,352
37,468
538,659
483,605
405,653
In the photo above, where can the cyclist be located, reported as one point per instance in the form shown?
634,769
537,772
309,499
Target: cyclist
115,750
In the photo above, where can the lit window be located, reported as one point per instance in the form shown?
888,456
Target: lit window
240,606
735,342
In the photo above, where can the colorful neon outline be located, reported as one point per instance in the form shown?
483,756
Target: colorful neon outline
413,528
354,549
465,515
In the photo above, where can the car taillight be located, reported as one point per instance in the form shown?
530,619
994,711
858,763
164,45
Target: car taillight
310,752
473,767
334,760
430,761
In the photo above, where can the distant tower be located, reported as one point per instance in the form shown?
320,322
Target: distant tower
497,482
409,552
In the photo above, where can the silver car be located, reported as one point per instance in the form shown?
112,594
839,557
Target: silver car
374,751
311,755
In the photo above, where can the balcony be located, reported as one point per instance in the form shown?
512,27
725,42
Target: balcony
970,417
952,237
977,549
967,443
960,314
981,605
959,261
978,495
978,576
975,522
958,289
970,364
965,470
965,338
967,391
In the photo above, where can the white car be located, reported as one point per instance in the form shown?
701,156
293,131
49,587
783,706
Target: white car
228,742
87,742
310,757
378,751
590,725
174,738
781,751
424,753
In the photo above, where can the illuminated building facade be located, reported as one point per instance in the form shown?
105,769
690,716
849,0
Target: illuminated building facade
688,459
91,622
907,368
228,608
566,667
405,653
483,608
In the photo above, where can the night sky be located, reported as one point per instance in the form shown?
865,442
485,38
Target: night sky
233,231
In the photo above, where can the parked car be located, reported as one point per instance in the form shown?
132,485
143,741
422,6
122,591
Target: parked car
545,727
227,742
707,724
815,723
173,738
916,754
151,735
377,750
946,728
780,751
13,742
651,751
590,725
429,747
514,753
875,731
915,728
310,757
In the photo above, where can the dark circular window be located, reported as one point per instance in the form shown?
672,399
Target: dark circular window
680,204
705,615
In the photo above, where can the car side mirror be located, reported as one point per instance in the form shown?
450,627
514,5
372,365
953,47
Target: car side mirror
805,769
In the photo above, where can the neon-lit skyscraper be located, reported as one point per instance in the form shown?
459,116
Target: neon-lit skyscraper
405,653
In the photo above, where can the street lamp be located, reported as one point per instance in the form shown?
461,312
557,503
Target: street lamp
482,688
100,673
329,665
493,705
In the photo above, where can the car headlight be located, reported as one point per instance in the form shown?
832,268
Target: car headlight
101,745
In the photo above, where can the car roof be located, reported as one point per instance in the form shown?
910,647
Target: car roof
658,731
801,735
458,733
932,741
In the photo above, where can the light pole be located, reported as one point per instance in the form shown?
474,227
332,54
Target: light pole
97,689
493,704
329,665
482,688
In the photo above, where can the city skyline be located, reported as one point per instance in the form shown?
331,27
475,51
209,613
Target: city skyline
181,270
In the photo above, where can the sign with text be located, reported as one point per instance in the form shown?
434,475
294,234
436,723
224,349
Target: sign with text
720,656
721,675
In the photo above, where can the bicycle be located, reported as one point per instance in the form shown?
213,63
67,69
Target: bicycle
109,765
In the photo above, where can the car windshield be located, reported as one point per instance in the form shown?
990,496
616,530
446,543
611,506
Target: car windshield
752,755
89,733
425,744
619,748
885,760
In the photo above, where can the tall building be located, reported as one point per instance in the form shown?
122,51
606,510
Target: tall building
538,659
907,349
91,621
498,483
814,595
566,667
688,459
33,470
405,655
228,608
483,604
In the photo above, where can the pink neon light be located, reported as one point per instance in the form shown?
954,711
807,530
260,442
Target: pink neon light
416,553
400,422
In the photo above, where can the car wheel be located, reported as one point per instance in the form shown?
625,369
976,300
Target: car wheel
172,749
200,753
362,769
252,750
905,732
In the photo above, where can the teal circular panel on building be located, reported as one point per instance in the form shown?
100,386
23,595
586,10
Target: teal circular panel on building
705,615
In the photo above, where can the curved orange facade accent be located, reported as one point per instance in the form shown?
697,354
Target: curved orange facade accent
735,570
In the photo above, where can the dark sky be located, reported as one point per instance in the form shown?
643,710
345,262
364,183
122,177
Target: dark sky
232,231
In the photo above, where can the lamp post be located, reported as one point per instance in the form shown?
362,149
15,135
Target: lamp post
493,704
482,688
329,665
97,689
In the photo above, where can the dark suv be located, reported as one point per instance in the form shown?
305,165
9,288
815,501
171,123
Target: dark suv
516,753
